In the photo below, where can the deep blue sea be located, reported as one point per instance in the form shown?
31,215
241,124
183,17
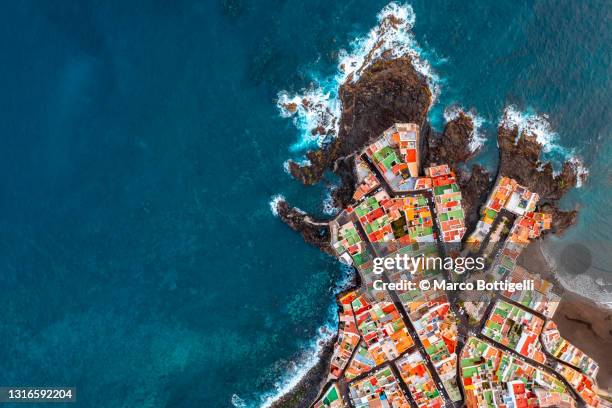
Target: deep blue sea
141,145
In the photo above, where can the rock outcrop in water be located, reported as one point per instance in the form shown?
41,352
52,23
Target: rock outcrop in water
391,91
388,91
453,146
314,232
519,158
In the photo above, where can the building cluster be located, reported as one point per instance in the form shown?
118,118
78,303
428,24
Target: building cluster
376,362
584,386
348,335
416,375
566,351
347,242
542,298
447,197
506,195
436,326
554,399
382,328
396,155
366,180
495,378
393,223
515,328
525,228
507,225
530,226
361,363
379,389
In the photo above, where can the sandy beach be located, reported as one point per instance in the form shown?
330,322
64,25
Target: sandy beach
580,320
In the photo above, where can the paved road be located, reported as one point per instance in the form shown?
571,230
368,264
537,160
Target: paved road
521,357
453,299
411,330
541,366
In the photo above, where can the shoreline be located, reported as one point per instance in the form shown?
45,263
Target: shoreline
303,394
583,322
364,112
307,389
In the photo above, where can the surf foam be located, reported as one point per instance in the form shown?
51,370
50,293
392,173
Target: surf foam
238,402
538,125
583,172
328,203
309,358
477,138
274,203
316,110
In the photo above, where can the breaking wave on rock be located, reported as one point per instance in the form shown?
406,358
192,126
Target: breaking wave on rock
478,138
274,203
316,110
307,360
538,125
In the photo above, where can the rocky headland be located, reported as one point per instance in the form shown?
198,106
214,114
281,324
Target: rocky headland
390,91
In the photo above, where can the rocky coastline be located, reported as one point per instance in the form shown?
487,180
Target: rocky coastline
519,158
314,232
309,387
390,91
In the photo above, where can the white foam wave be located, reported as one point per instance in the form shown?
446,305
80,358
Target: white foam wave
274,203
477,140
316,110
538,125
585,285
238,402
531,123
309,358
582,171
301,163
328,203
392,37
346,278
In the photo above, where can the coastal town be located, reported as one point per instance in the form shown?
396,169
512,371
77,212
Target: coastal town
434,348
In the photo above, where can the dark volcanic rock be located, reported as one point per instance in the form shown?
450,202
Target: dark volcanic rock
519,158
562,220
313,172
475,187
453,147
306,391
387,92
345,168
314,232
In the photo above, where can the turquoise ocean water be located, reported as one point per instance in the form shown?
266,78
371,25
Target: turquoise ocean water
139,258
